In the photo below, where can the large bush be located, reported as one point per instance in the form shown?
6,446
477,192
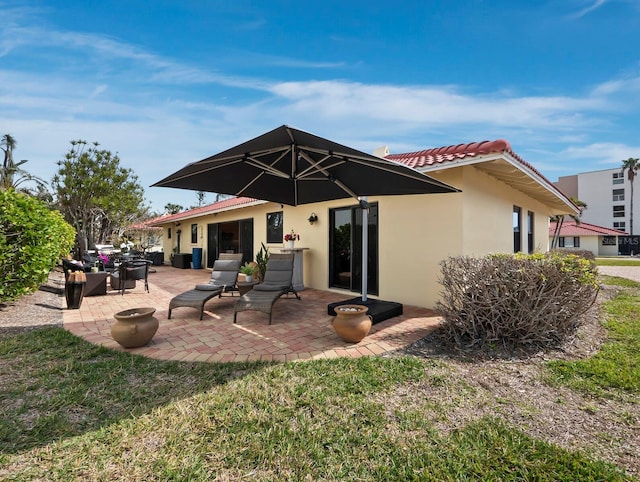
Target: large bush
32,240
515,299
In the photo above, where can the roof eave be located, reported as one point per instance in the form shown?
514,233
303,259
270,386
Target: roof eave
545,184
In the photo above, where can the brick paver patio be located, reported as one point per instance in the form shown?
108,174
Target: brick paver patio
301,330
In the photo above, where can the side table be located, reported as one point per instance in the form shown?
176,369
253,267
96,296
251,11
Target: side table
96,283
245,286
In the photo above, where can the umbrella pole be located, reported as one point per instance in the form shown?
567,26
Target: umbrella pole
365,245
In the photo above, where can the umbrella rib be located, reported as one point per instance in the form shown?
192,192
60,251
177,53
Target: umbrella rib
265,152
329,176
313,165
269,167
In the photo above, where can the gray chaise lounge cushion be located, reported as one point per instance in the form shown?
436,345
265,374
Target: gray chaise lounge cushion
277,281
223,278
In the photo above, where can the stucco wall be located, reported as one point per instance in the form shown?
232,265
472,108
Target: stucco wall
416,232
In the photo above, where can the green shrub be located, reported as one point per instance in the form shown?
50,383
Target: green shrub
516,299
32,240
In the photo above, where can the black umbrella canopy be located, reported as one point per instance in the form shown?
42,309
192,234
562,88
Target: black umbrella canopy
293,167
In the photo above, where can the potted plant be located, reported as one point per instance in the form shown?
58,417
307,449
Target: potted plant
291,238
262,258
248,270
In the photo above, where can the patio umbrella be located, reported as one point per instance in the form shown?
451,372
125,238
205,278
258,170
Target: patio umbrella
293,167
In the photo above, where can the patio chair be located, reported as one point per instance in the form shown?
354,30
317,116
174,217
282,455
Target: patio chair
128,271
223,279
277,282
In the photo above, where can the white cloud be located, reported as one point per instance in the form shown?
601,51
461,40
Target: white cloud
593,6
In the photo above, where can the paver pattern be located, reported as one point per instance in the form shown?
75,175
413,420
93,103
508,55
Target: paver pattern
301,329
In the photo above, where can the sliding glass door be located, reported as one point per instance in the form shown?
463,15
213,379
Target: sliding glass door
345,249
230,237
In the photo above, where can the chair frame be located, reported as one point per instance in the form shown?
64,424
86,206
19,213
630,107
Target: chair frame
263,299
197,298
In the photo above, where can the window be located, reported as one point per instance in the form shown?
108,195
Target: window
517,229
274,227
169,233
194,233
618,194
572,242
530,224
618,211
621,225
618,178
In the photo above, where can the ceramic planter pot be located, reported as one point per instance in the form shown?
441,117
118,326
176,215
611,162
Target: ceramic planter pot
351,322
134,327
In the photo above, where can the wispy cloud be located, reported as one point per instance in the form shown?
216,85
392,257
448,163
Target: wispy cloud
593,6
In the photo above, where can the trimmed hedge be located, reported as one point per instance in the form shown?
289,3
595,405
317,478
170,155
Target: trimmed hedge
515,299
32,240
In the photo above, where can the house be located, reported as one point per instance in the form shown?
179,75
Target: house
504,206
599,240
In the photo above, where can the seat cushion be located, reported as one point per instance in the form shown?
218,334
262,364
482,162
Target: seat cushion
209,287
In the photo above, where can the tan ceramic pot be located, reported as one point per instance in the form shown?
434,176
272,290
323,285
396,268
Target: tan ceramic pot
134,327
351,322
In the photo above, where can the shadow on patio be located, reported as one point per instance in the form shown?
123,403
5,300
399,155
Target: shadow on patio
301,330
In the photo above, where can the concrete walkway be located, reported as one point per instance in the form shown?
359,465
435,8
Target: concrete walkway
629,272
301,329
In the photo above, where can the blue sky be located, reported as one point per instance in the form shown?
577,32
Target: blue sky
165,83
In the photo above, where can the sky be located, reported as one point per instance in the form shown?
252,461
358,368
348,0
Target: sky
165,83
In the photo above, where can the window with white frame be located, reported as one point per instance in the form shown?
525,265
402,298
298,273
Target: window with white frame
618,178
621,225
618,211
618,194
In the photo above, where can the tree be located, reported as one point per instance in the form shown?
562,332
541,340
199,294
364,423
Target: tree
12,175
171,208
631,165
96,196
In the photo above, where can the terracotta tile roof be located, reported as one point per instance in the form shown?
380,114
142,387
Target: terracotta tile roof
223,205
449,156
441,155
571,228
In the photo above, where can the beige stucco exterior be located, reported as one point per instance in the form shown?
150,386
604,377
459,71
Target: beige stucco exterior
594,243
416,232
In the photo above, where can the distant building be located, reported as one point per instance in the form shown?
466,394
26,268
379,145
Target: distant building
601,241
607,194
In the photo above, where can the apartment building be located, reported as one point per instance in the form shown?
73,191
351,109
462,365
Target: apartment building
608,197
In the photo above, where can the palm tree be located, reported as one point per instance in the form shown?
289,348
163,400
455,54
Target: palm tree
12,175
631,165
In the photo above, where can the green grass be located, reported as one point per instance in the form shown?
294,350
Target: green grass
616,366
74,411
617,262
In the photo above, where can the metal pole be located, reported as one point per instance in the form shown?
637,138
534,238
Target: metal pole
365,245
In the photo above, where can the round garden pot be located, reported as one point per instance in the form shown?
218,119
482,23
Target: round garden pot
351,322
134,327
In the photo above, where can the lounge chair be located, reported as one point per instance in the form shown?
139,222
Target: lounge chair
277,282
223,280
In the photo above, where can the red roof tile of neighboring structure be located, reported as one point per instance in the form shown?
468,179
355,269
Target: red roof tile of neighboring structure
223,205
571,228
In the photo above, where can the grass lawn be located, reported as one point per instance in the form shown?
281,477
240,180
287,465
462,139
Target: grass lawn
618,261
75,411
